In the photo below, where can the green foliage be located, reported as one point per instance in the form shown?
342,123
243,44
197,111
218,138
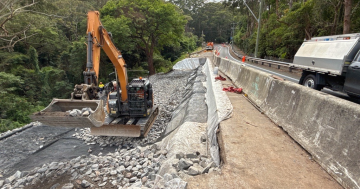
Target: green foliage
213,21
120,31
188,43
54,83
14,110
6,124
48,55
9,83
9,60
33,59
285,24
162,65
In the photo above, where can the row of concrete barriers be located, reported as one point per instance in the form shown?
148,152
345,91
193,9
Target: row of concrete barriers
326,126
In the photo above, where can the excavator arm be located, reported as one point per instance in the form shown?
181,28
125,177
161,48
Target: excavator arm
99,38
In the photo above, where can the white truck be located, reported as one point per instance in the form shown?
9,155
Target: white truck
332,62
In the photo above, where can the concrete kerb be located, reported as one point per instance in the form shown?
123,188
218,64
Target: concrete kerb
326,126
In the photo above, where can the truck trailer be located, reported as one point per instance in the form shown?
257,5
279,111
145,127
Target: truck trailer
332,62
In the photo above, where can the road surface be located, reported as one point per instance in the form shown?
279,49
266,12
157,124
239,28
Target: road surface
293,77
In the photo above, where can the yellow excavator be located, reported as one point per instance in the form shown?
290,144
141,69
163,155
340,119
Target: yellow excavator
127,110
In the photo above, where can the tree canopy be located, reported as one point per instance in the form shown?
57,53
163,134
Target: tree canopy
151,25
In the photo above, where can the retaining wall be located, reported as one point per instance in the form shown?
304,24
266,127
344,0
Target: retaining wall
326,126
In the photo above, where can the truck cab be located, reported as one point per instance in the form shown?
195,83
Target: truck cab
352,80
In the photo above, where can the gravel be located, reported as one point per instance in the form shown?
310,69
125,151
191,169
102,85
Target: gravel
108,169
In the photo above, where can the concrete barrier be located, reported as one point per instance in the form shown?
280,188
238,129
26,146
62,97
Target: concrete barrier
326,126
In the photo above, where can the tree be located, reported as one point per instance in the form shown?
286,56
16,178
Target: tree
347,15
8,11
33,58
152,24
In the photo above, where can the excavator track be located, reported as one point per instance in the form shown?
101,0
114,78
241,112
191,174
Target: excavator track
134,127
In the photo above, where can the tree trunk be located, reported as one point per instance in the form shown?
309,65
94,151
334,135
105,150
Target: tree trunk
333,28
347,15
336,17
277,8
150,60
290,4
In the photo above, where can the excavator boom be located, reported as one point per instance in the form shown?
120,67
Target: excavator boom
99,38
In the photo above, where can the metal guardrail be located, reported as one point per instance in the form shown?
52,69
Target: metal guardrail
265,61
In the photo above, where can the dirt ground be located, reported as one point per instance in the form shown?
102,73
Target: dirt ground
256,153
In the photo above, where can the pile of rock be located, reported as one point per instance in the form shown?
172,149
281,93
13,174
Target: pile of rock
193,164
82,112
122,142
124,168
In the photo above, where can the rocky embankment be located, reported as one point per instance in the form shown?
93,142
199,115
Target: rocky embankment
135,162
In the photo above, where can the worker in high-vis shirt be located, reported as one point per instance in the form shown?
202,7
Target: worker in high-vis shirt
101,87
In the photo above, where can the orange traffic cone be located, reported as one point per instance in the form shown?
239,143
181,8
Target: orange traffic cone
243,59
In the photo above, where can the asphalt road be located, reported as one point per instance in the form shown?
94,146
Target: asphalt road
225,53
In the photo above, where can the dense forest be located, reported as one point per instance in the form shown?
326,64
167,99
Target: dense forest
43,51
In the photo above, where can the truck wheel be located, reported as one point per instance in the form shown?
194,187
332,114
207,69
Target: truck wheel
310,82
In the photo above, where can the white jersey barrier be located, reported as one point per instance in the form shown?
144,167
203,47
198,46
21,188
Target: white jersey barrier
326,126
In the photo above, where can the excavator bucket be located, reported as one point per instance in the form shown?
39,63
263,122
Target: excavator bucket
58,113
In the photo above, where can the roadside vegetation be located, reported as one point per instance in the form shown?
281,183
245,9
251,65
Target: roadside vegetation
286,23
